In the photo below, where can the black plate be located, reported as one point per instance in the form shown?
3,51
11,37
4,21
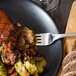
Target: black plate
30,15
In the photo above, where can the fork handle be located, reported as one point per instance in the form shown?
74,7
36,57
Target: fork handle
58,36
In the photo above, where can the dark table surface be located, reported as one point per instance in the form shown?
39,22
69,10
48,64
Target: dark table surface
61,14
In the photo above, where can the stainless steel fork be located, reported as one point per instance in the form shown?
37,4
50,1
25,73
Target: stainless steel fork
45,39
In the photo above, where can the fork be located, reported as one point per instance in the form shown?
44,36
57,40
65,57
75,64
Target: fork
45,39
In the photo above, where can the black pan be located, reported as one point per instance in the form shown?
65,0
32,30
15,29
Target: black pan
30,15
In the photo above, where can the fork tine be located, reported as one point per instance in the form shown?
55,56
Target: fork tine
38,35
39,41
43,39
38,38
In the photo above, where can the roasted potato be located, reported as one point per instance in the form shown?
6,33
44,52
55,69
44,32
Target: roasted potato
19,67
32,69
40,65
34,65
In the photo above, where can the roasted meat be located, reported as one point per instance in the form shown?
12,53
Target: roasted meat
14,74
7,55
5,26
10,69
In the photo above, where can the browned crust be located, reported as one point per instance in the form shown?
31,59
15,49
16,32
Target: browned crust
70,74
71,56
71,66
5,24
